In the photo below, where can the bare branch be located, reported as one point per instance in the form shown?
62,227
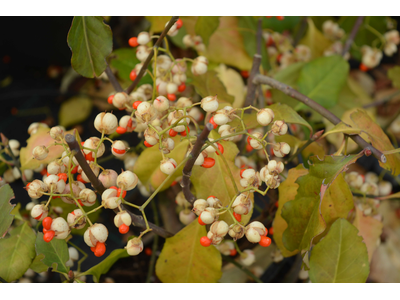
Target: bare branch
352,35
113,80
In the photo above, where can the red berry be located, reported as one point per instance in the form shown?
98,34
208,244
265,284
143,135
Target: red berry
133,42
363,177
208,162
248,140
45,230
79,178
213,123
272,152
27,185
100,249
89,156
47,223
136,104
133,75
245,74
241,172
147,144
43,172
119,151
74,170
182,87
237,217
233,252
276,204
119,193
92,248
271,231
38,217
174,183
63,176
265,241
123,229
172,133
114,188
183,133
80,202
363,68
110,99
48,236
220,148
148,251
278,58
280,18
205,241
121,130
171,97
179,23
200,221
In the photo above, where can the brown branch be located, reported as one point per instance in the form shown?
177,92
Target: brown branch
147,62
255,69
352,35
187,170
300,32
382,101
261,79
113,80
98,186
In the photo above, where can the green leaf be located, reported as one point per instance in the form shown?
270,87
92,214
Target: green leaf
342,128
178,38
158,23
394,75
295,143
216,180
90,40
41,137
370,229
75,110
15,211
340,257
322,80
322,197
37,265
315,40
288,23
209,84
205,27
184,260
378,139
287,192
6,194
55,253
17,252
106,264
288,76
147,167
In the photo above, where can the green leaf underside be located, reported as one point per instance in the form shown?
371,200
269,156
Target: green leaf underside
90,40
55,253
17,252
74,111
37,265
322,80
184,260
6,194
206,26
340,257
322,197
216,180
104,266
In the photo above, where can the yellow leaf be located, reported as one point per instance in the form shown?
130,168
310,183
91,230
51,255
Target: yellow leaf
314,39
233,83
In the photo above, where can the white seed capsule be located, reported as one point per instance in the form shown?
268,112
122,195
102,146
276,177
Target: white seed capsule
73,254
161,103
95,233
370,188
221,117
199,206
215,239
77,186
122,218
127,180
186,217
36,189
252,235
168,166
199,65
120,100
276,167
143,38
93,143
73,217
209,215
55,167
57,133
385,188
40,152
108,178
236,231
219,228
180,200
188,41
118,148
242,204
272,181
354,180
142,52
172,88
60,227
95,168
33,128
168,145
128,123
106,122
134,246
55,184
265,116
173,30
214,202
39,212
210,103
151,135
256,144
196,114
199,160
145,112
88,197
279,128
248,259
371,177
258,226
281,149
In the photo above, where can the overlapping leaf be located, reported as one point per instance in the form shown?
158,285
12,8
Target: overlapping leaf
322,197
6,194
55,253
233,83
90,40
340,257
206,26
295,143
17,252
287,192
184,260
216,180
75,110
315,40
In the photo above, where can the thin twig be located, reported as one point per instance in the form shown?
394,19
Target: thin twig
315,137
113,80
255,69
98,186
352,35
187,170
147,62
261,79
381,101
300,32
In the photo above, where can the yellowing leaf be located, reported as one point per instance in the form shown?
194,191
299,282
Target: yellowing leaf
147,167
314,39
394,75
6,194
184,260
75,110
342,128
216,181
233,83
158,23
370,229
340,257
206,26
41,137
287,192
